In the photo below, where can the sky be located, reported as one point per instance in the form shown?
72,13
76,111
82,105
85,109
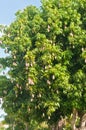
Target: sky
8,8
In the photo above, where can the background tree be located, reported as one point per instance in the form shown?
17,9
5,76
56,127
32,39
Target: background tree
47,62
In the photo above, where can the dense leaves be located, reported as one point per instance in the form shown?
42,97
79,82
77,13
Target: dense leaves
47,61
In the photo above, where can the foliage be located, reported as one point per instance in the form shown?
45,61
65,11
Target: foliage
47,61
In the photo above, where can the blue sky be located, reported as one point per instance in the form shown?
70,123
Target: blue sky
8,8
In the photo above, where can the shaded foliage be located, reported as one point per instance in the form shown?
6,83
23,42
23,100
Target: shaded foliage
47,61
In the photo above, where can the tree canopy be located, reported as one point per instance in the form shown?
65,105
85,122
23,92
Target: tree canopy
47,61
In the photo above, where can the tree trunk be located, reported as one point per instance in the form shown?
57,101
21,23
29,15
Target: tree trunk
74,126
83,122
59,125
27,127
73,120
